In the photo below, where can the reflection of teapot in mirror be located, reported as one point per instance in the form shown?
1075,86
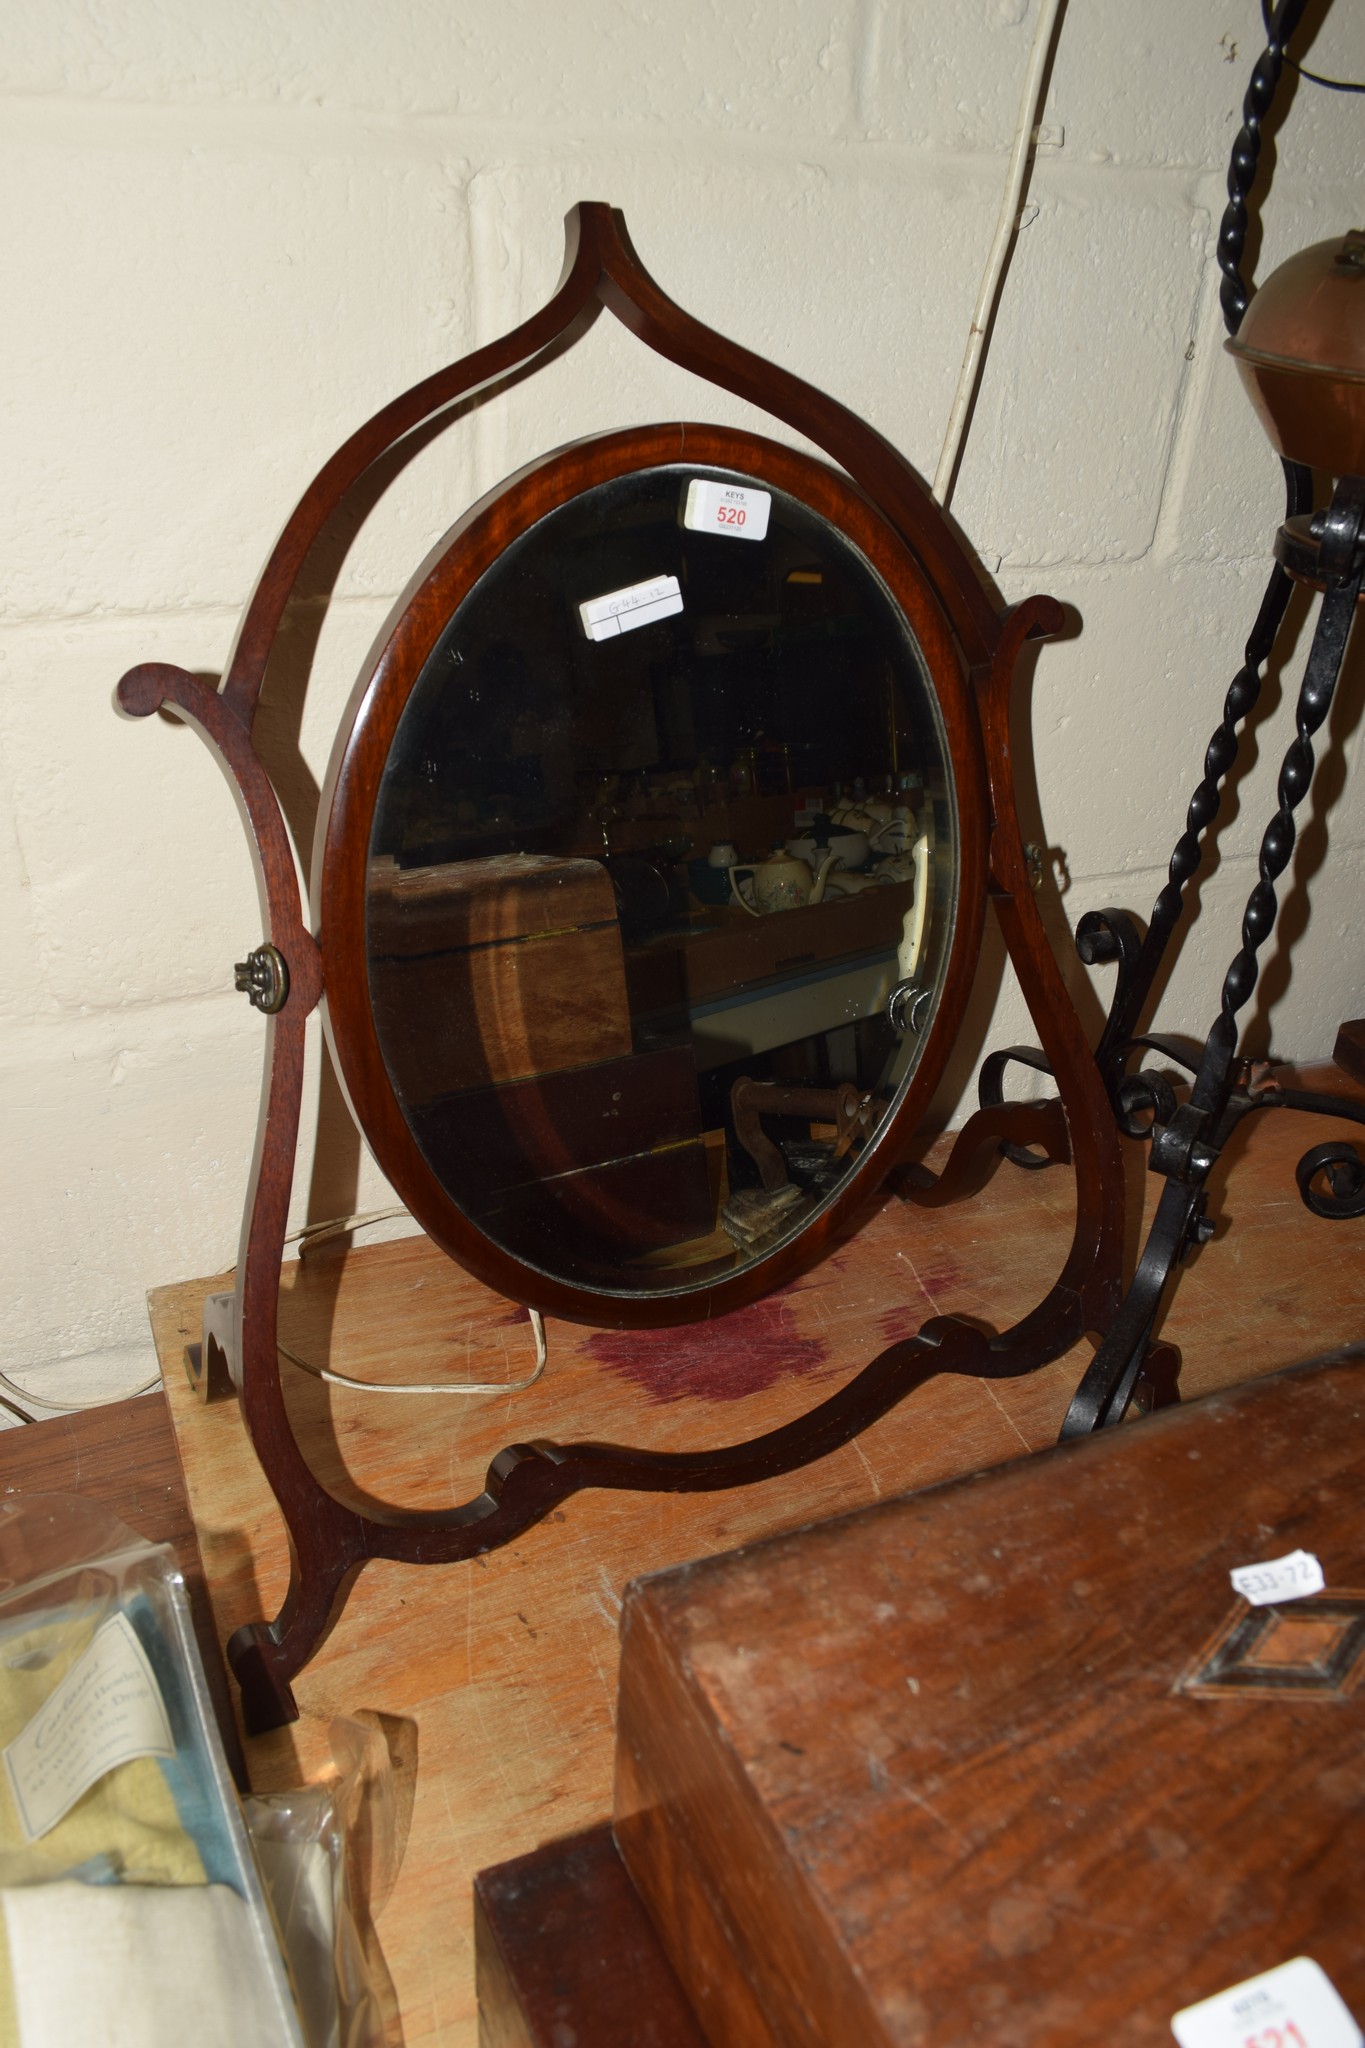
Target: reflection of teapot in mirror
825,835
841,883
897,834
781,882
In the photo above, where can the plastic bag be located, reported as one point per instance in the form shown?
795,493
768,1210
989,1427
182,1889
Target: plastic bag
306,1843
130,1906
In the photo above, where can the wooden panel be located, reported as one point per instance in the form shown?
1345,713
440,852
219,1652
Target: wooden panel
624,1206
727,949
931,1773
492,970
482,902
596,1163
1349,1050
566,1954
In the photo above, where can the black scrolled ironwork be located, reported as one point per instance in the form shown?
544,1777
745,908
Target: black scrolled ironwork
1343,1169
1187,1138
1341,531
1111,935
990,1094
1186,1145
1234,295
1145,1100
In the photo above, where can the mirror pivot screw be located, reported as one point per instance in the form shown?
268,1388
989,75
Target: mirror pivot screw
263,977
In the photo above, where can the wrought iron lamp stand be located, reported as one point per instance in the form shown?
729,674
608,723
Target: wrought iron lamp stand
1325,550
1187,1140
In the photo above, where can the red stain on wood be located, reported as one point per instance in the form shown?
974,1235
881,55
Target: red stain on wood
741,1354
898,1325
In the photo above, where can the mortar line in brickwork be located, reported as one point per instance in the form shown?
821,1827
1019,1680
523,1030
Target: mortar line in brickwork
37,119
227,610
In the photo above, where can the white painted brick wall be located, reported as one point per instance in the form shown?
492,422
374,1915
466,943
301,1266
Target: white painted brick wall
229,232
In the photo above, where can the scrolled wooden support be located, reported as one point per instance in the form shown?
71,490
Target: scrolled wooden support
329,1540
157,686
1095,1264
526,1482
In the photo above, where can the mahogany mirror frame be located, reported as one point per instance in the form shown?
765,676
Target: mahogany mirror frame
330,1540
350,796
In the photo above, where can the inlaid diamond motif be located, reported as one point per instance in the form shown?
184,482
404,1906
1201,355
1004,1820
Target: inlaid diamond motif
1307,1649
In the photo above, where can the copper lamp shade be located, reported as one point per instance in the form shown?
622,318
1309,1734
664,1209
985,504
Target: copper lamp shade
1301,353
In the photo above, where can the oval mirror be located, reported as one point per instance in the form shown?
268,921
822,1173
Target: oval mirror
642,873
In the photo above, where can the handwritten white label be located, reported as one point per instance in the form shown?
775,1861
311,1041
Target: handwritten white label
1294,2006
621,611
1281,1578
713,507
106,1711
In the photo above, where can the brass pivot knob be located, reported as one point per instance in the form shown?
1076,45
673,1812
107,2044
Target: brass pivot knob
264,977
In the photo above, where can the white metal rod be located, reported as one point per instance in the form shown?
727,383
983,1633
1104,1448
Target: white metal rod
995,262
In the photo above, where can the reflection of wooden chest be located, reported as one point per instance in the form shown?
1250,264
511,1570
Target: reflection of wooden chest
500,1002
595,1163
485,971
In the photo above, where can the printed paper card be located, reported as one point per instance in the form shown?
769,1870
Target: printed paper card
106,1711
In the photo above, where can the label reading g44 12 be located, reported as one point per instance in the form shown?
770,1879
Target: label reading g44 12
732,509
639,604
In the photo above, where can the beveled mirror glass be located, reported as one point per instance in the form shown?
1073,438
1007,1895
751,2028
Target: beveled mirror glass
660,880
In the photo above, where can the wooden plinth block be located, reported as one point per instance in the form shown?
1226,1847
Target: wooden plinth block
566,1956
1349,1050
1008,1763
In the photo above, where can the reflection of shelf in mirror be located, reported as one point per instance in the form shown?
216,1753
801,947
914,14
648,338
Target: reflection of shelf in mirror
726,950
752,823
799,1005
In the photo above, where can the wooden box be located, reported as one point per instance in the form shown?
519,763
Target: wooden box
1008,1763
567,1958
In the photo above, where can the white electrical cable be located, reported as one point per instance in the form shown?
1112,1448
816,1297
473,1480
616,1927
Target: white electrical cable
337,1226
71,1407
310,1235
341,1379
995,262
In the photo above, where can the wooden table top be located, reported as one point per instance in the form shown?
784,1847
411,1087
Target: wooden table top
495,1682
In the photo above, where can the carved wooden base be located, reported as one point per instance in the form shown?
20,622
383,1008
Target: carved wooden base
330,1542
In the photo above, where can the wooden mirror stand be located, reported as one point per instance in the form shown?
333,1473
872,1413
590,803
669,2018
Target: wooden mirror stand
980,643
